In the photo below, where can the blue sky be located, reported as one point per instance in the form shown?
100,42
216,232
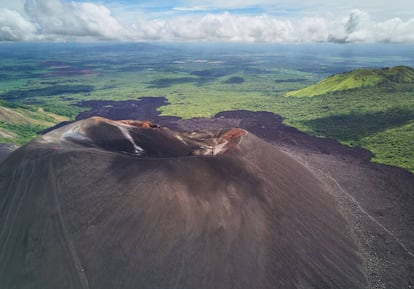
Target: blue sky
381,9
275,21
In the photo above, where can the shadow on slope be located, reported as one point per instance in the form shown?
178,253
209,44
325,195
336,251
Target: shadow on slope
354,126
168,82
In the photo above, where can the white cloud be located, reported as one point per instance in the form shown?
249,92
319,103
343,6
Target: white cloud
357,27
15,5
222,27
14,27
59,20
361,28
74,19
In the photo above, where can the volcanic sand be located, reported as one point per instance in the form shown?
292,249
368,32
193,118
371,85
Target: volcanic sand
103,204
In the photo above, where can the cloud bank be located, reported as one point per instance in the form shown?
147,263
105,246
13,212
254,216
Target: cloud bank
14,27
55,20
58,19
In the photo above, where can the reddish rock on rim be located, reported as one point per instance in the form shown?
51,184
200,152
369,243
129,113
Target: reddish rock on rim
109,204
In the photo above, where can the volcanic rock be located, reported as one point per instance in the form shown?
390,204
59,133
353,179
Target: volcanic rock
127,204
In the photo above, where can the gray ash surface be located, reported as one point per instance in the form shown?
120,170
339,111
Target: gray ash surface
375,201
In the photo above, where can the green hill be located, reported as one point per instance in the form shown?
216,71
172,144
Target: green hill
370,108
19,123
357,79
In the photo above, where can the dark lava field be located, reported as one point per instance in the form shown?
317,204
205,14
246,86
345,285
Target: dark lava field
235,201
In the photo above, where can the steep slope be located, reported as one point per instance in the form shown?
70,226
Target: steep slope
106,204
6,150
19,124
357,79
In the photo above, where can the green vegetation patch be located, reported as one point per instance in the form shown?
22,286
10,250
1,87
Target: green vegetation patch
398,74
234,80
168,82
357,79
393,146
214,72
46,91
350,80
23,132
19,123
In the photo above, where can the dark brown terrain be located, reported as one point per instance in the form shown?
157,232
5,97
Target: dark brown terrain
6,149
109,204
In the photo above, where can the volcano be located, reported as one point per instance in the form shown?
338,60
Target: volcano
129,204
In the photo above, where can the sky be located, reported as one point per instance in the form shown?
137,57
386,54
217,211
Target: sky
261,21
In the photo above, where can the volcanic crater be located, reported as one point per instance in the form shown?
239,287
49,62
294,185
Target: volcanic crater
127,204
102,203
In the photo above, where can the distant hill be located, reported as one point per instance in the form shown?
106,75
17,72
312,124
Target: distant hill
19,124
357,79
369,108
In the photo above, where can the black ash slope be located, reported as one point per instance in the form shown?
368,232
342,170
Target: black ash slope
151,208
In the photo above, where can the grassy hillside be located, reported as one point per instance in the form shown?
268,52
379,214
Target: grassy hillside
357,79
19,124
377,117
393,146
